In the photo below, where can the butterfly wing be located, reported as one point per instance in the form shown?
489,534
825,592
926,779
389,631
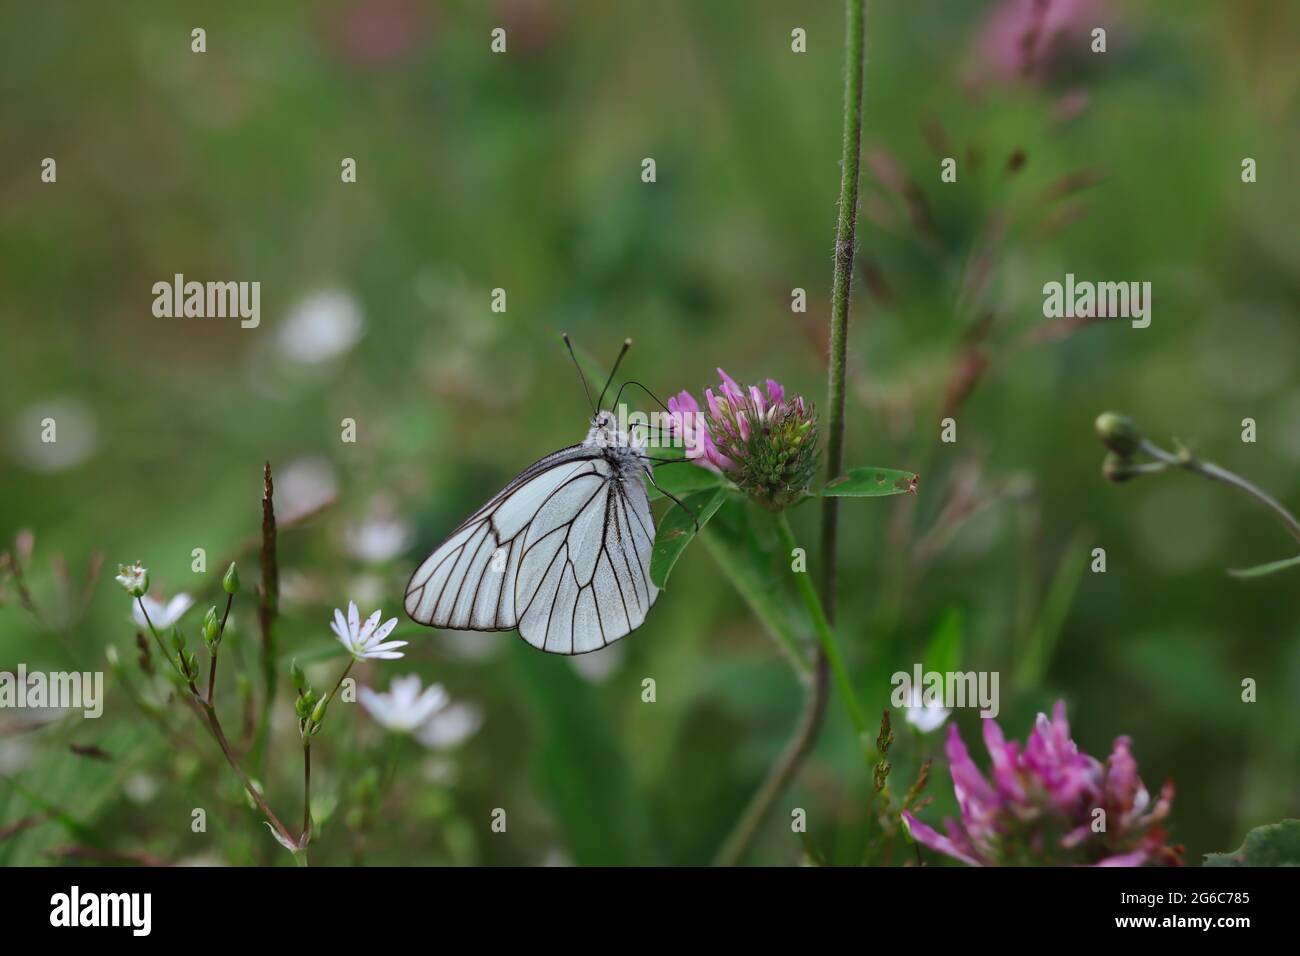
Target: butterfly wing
584,575
562,553
467,583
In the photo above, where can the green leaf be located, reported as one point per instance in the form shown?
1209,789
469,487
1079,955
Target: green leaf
580,769
683,480
1259,570
1041,642
872,483
943,653
1276,844
749,563
678,528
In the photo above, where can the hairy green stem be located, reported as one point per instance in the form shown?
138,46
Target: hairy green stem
787,765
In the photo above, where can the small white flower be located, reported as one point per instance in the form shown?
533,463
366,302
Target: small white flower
364,641
924,717
134,578
378,539
406,707
55,434
597,667
451,726
162,614
304,485
321,326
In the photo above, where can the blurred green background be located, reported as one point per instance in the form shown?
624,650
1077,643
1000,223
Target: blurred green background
522,171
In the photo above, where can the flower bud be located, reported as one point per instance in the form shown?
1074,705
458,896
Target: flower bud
305,703
230,583
178,638
297,676
318,714
1119,433
211,628
1118,468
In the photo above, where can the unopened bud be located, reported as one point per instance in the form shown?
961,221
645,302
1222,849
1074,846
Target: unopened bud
1118,468
211,627
1119,433
230,583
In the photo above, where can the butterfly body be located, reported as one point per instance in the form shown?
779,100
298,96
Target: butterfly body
562,552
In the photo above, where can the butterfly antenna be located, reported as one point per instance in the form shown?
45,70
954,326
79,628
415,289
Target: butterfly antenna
627,344
585,389
644,389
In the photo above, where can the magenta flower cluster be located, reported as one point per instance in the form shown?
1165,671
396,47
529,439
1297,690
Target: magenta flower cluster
766,443
1049,803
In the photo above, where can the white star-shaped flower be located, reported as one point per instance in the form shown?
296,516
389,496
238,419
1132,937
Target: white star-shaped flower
365,641
405,707
163,614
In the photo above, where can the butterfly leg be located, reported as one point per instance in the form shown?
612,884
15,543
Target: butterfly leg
668,494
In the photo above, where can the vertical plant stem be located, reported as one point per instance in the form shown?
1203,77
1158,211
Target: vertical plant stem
212,668
266,611
214,724
162,649
306,790
805,735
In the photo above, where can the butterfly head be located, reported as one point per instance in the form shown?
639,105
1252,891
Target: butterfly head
605,432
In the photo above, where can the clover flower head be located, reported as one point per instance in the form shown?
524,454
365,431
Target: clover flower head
765,442
1040,805
365,642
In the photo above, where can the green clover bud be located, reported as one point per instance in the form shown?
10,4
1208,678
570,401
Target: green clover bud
230,583
1119,433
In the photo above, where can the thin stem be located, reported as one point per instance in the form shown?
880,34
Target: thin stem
212,667
1216,473
822,628
212,673
306,789
779,777
266,612
784,770
162,648
342,677
214,724
841,290
785,639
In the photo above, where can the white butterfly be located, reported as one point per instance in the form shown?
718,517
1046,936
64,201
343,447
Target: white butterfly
562,552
